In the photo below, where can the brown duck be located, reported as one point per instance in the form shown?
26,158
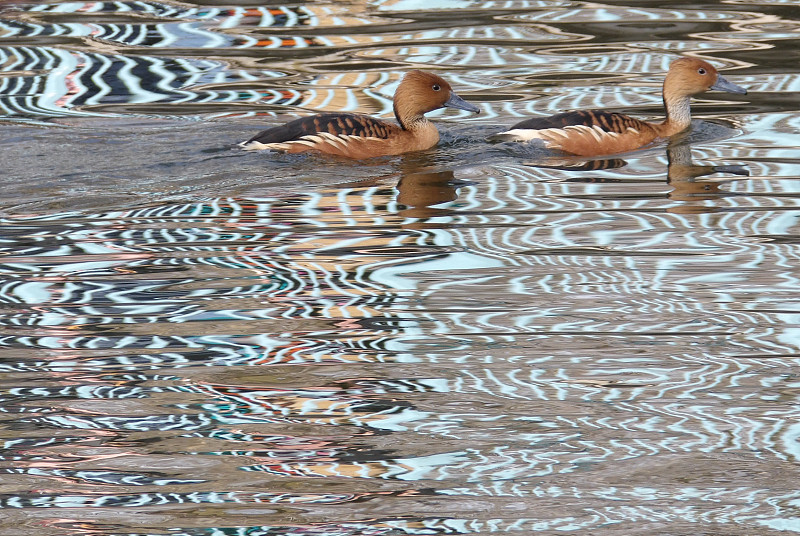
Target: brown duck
599,132
362,136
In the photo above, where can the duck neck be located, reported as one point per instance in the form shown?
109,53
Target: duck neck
678,111
409,120
418,132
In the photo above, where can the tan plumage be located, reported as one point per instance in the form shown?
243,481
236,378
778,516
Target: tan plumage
361,136
598,132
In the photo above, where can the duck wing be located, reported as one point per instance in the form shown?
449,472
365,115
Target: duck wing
607,121
318,127
585,133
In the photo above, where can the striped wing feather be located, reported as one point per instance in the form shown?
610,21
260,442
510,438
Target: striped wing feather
607,121
584,133
339,125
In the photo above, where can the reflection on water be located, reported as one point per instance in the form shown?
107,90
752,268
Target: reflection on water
686,179
477,339
443,341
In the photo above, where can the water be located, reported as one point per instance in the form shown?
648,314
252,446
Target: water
476,339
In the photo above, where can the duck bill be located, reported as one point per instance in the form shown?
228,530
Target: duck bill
722,84
457,102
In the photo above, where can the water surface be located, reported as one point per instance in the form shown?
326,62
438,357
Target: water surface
476,339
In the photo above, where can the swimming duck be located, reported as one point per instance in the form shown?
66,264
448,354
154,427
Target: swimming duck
598,132
362,136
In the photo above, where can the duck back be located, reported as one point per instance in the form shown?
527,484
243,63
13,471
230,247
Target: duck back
584,132
608,121
336,124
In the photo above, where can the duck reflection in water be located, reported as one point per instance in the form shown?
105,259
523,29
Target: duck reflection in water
682,175
419,192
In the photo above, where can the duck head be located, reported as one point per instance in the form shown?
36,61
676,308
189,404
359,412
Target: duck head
691,76
421,92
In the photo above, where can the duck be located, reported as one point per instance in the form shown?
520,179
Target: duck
360,136
600,132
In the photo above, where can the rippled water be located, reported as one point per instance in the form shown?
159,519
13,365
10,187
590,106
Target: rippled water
476,339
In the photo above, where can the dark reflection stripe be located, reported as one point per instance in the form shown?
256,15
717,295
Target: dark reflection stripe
163,498
104,477
79,79
227,16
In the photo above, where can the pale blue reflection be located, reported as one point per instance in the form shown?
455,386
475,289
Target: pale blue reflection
405,276
505,345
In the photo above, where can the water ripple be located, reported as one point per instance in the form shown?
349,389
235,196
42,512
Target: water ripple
477,338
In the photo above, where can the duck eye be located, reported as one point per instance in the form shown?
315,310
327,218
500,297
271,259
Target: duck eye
436,87
701,70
